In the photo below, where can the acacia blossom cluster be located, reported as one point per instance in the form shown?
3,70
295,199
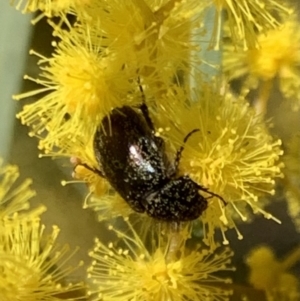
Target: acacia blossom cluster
111,53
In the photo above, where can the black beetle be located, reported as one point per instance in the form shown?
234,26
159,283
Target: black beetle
134,162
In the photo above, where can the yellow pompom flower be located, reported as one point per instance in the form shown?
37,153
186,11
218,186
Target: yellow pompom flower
98,64
155,38
137,271
33,267
271,275
277,57
13,198
246,18
232,154
83,82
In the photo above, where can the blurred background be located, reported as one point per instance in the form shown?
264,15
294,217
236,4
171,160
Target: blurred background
79,227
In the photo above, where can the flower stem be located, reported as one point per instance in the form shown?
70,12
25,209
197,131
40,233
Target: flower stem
177,241
261,102
291,259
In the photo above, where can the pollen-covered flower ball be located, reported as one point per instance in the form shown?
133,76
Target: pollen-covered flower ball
247,17
232,154
274,276
13,198
154,38
277,58
137,271
32,265
83,82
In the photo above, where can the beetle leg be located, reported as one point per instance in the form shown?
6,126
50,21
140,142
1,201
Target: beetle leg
143,107
179,152
94,170
145,111
212,194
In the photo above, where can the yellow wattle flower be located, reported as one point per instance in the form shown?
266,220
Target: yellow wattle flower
13,198
272,275
247,18
98,63
279,52
135,270
278,57
232,154
155,39
33,267
83,82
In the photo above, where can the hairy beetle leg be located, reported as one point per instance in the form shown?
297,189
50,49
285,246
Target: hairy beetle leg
94,170
180,150
143,107
75,161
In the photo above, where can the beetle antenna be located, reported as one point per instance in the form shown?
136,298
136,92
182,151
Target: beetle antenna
212,194
180,150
